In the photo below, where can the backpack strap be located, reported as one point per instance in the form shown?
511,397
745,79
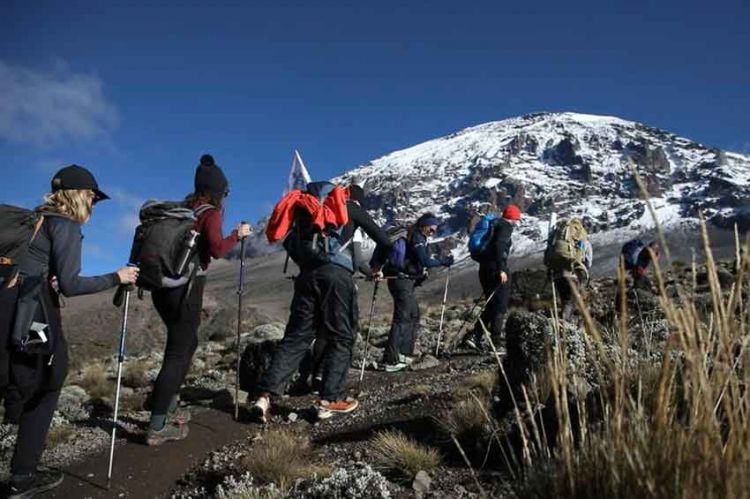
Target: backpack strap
198,211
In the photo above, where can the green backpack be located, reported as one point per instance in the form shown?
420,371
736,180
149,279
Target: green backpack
566,247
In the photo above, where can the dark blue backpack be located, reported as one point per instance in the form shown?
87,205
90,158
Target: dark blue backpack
481,236
631,250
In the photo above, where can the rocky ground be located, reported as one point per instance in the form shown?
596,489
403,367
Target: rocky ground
423,403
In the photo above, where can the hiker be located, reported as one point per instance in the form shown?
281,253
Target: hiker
36,365
180,307
403,278
568,257
637,255
317,226
312,364
494,276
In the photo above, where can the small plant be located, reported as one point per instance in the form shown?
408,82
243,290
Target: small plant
399,455
94,380
59,434
282,458
135,374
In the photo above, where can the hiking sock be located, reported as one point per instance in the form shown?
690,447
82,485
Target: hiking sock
157,422
173,404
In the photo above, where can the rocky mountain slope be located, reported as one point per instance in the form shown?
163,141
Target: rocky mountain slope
568,163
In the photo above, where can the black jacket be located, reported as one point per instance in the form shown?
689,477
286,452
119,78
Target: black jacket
496,257
308,257
417,257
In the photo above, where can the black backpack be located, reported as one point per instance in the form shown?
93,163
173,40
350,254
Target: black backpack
164,245
19,227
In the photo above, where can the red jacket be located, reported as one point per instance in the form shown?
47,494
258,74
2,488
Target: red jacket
212,243
332,212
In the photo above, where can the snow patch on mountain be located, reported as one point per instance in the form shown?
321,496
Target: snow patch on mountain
568,163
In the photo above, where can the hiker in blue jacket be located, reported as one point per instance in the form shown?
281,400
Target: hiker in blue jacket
402,337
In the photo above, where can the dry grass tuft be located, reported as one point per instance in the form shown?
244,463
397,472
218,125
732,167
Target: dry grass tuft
59,435
281,457
94,380
402,457
135,374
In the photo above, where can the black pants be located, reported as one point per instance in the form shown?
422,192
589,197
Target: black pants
35,382
494,312
565,294
182,316
405,322
323,306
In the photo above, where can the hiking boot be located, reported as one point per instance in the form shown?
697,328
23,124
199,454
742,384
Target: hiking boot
317,383
405,359
33,484
474,343
169,432
394,368
327,409
261,409
181,415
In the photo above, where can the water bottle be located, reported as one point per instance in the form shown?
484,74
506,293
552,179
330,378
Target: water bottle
188,250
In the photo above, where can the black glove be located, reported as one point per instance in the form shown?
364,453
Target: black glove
447,261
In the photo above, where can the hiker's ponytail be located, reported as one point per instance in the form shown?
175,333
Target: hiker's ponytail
71,203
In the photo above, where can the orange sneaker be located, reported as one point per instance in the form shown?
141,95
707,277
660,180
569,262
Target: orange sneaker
326,409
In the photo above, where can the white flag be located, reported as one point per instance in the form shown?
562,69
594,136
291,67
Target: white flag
298,175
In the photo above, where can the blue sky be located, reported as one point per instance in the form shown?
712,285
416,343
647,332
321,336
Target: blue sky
137,91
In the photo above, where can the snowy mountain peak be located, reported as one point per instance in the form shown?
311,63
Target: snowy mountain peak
568,163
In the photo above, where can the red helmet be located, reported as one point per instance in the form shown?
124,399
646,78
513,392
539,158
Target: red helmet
512,212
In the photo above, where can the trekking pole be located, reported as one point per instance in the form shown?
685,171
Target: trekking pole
367,338
471,312
123,290
240,291
442,311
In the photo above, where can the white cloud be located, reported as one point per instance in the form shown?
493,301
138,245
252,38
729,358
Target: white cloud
41,106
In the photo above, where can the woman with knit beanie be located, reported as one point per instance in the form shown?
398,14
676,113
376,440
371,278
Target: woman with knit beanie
180,307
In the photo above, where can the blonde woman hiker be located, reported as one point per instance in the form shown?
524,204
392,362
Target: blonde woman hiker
34,275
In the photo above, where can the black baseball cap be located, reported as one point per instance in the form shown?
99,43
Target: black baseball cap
77,177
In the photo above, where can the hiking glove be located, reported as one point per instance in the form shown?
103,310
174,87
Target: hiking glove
448,261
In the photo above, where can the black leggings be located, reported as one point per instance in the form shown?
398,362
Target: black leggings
182,316
405,323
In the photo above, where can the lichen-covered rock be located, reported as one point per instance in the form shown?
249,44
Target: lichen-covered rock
529,336
359,483
72,401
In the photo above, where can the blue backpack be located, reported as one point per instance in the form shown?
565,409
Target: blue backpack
631,250
481,236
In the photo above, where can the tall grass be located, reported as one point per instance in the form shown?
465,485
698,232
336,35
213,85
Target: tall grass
676,426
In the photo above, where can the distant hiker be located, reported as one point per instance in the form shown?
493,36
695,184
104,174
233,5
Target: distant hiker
180,306
492,254
317,226
568,258
404,276
41,260
636,256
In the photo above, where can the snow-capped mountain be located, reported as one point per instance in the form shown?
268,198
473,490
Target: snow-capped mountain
568,163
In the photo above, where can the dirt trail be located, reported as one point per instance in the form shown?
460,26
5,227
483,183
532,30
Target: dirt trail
145,472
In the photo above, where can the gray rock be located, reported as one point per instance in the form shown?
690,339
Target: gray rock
268,332
426,362
292,417
421,483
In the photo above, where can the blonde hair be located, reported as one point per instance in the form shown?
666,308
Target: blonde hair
72,203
